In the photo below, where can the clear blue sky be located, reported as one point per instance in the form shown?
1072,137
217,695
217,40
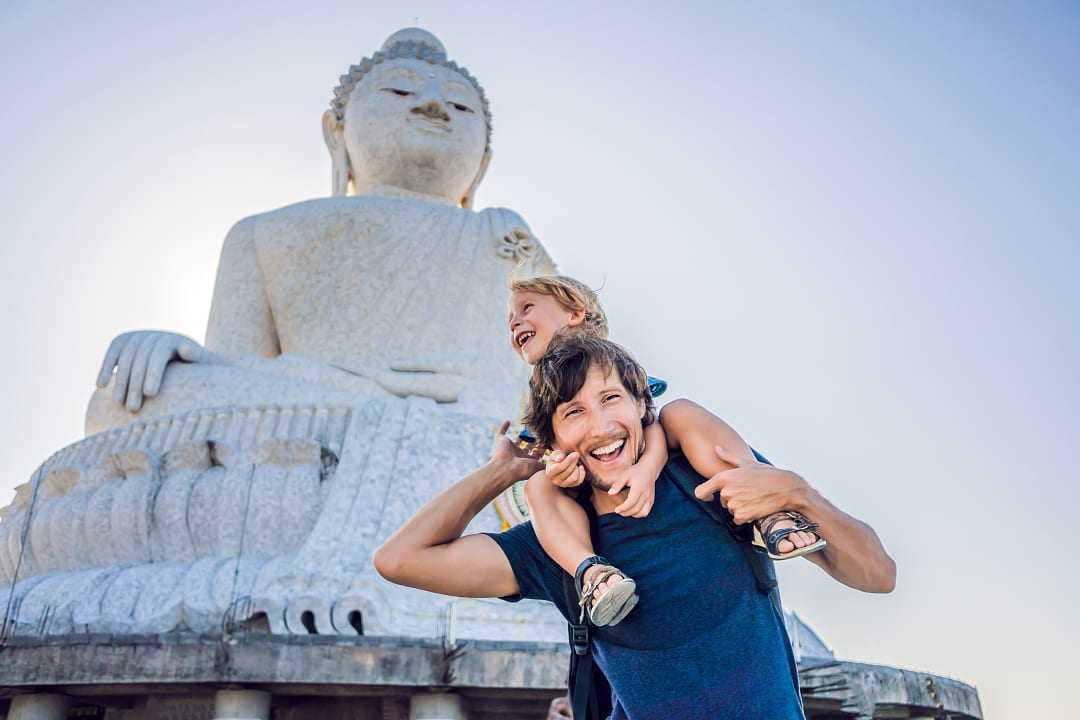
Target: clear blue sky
851,229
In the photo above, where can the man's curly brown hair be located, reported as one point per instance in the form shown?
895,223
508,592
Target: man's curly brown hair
559,375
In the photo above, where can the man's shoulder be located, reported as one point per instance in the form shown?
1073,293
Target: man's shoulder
519,543
538,576
679,469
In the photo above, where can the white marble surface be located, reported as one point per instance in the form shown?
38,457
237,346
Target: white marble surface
355,363
177,523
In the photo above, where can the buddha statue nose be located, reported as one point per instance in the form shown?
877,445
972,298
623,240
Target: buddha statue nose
432,109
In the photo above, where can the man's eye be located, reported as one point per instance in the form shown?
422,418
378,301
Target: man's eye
612,396
399,92
573,411
462,108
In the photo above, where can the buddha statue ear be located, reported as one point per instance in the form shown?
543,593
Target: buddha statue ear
470,194
334,135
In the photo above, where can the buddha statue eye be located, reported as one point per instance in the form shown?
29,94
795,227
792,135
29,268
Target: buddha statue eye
398,91
462,108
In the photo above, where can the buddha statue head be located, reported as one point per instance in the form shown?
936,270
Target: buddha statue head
411,119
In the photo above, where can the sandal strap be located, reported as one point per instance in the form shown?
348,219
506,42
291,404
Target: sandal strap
603,574
585,594
772,537
579,574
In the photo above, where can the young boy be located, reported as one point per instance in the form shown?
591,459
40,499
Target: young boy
541,307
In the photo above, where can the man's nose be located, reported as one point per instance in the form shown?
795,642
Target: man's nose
602,428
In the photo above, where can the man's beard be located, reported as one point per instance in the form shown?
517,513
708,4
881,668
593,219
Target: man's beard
604,485
596,482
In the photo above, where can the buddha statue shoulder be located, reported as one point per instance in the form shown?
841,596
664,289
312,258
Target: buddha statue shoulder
393,286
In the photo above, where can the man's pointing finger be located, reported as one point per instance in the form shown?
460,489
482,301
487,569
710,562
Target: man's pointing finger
706,490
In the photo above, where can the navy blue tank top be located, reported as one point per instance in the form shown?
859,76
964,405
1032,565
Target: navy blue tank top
702,642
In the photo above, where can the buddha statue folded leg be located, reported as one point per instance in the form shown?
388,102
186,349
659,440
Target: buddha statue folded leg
285,380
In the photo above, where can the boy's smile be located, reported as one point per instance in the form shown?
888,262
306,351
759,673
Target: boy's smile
534,320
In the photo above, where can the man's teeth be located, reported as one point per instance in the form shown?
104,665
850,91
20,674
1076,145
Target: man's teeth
608,449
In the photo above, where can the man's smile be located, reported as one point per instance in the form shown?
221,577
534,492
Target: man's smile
609,453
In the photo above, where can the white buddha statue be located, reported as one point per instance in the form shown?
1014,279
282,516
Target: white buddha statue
398,288
355,363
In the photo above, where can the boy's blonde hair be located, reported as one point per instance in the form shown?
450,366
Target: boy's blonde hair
572,294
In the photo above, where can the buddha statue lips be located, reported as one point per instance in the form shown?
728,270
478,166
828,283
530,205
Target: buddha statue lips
345,334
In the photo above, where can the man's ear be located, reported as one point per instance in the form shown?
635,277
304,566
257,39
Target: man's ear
334,135
470,194
641,408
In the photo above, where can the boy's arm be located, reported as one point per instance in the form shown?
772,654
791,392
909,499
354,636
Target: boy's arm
429,553
642,475
655,456
694,431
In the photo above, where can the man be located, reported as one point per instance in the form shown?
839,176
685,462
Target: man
702,642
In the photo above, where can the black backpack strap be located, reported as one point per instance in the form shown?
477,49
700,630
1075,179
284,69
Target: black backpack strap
589,690
585,681
759,562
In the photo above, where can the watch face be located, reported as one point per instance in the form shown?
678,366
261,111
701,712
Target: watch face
511,505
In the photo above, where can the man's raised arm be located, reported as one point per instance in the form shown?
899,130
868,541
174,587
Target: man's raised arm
429,553
751,490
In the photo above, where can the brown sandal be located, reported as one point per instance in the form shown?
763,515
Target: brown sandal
614,604
770,539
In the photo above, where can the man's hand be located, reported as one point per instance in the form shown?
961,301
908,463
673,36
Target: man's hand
564,470
642,484
140,359
560,709
751,490
519,463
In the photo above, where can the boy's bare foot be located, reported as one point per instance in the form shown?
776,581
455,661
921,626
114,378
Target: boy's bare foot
800,533
607,593
603,587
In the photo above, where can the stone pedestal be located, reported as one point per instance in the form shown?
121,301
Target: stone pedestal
436,706
242,705
265,515
43,706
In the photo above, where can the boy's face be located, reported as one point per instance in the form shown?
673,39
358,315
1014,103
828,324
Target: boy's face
534,320
602,423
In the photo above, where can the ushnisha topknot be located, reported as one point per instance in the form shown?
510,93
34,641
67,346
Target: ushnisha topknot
412,43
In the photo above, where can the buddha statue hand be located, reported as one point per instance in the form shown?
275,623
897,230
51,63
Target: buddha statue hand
450,372
441,377
140,358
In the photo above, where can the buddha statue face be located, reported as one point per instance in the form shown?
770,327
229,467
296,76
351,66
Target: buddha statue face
413,125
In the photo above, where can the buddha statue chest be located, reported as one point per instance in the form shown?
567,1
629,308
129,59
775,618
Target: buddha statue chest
376,279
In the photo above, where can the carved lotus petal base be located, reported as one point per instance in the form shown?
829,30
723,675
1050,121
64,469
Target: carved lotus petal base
241,518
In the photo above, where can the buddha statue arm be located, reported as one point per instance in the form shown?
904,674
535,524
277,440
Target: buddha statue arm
241,321
240,324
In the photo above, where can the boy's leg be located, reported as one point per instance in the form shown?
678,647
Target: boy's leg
563,529
696,432
560,523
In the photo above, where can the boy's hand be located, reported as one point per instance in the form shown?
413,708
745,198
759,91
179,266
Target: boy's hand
642,484
564,470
